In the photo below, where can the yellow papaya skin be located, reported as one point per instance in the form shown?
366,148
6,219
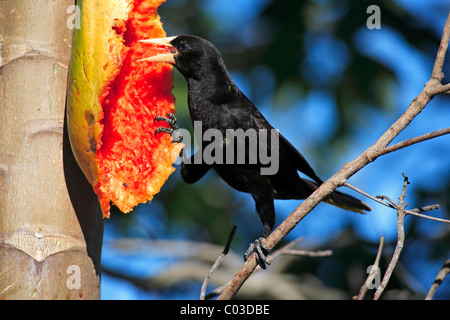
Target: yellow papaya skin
98,54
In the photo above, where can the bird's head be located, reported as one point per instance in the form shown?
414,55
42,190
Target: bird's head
191,55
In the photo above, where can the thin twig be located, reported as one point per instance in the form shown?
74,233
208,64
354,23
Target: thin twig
391,204
400,240
346,184
217,263
445,270
414,140
373,272
440,56
307,253
415,212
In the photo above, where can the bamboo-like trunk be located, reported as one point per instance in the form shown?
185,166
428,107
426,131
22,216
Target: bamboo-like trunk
50,222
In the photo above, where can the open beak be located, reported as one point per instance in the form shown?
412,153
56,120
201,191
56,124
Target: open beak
162,57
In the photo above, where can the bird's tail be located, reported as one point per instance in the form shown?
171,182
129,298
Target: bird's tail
347,202
343,200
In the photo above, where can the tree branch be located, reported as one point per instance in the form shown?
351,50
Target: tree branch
432,88
391,204
445,270
217,263
307,253
400,240
373,272
415,140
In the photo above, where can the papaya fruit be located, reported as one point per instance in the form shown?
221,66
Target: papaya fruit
113,99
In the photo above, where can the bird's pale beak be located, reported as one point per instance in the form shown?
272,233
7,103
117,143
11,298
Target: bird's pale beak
162,57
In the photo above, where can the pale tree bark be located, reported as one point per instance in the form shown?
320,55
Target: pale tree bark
50,223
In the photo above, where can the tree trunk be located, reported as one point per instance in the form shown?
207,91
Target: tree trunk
51,227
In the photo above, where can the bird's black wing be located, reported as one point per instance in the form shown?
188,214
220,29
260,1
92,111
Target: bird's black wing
251,117
298,160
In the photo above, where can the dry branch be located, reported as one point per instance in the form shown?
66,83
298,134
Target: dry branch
373,272
217,263
400,240
445,270
391,204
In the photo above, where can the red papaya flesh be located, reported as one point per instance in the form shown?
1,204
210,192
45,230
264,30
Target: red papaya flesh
113,99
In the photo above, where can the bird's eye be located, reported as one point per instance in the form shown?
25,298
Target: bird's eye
184,47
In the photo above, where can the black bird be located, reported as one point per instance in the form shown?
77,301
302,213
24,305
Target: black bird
216,101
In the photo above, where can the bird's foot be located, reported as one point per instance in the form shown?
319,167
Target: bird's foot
259,246
174,130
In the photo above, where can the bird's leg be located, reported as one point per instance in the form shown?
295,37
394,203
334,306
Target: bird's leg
173,130
266,211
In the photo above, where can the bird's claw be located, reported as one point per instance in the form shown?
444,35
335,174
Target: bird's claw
174,130
259,246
